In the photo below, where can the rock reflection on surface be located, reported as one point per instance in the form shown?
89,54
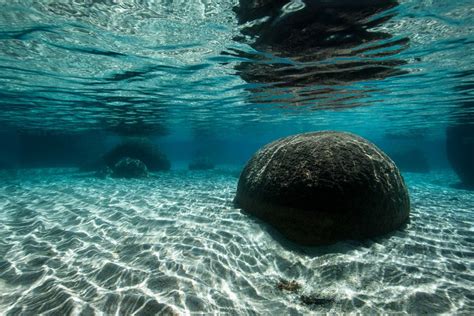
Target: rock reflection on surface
310,50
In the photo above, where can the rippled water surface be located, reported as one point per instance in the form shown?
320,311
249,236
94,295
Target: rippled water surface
218,79
176,244
178,65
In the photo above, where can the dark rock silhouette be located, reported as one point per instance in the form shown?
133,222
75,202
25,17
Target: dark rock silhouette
315,300
290,286
201,164
130,168
142,150
319,188
460,151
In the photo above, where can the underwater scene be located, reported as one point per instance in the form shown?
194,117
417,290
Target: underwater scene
236,157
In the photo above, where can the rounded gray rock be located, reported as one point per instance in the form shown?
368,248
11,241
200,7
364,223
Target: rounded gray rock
323,187
130,168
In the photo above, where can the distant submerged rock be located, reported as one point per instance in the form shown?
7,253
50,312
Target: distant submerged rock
129,168
144,151
319,188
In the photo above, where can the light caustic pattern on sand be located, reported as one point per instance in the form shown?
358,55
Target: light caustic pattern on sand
175,244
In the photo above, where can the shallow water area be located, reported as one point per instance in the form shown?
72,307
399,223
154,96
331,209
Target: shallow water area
204,84
174,243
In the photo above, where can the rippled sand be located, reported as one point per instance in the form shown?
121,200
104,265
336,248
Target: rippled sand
175,244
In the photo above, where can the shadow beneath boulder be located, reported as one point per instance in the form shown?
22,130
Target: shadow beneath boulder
340,247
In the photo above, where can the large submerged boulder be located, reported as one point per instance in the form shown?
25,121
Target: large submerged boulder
319,188
129,168
144,151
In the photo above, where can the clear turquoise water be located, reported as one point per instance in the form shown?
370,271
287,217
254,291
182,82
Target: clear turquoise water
76,77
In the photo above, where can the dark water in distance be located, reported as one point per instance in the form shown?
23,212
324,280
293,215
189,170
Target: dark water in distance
207,78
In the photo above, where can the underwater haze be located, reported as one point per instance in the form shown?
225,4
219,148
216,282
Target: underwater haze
194,88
